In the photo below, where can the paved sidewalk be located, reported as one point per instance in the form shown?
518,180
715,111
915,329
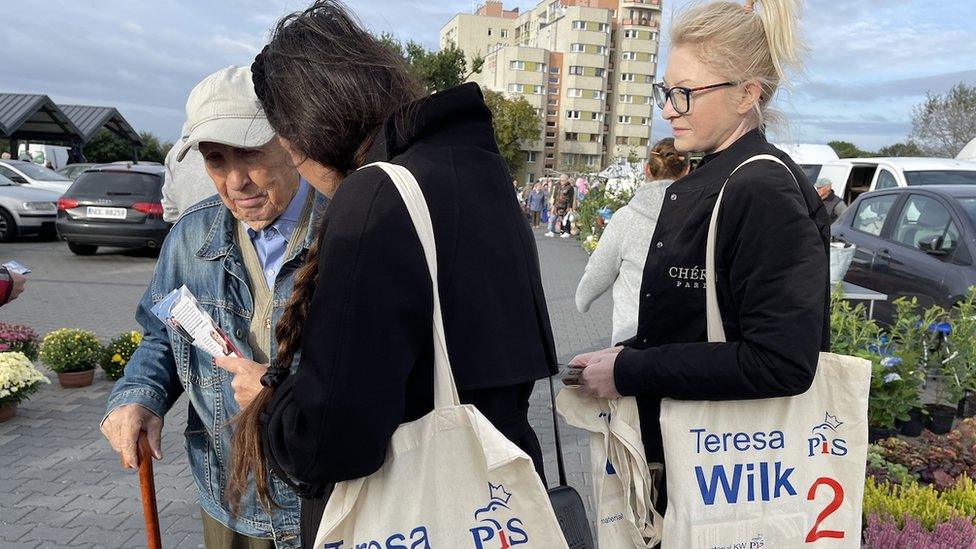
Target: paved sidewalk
61,485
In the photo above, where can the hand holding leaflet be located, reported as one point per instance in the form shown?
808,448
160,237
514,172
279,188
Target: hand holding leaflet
180,312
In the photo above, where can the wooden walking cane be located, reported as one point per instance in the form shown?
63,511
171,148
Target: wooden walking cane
147,489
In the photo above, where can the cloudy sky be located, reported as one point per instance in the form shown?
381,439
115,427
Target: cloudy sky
870,60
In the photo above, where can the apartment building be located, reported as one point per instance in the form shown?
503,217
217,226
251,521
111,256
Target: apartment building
587,66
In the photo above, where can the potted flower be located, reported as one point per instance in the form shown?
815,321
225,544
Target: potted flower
72,354
960,340
18,379
118,352
15,337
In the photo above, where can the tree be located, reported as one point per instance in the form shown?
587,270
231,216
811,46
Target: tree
436,70
845,149
901,149
105,146
515,121
943,124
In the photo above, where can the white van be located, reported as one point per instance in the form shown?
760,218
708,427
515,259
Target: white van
808,156
850,177
51,156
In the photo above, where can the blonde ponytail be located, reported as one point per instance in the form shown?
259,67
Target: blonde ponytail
759,41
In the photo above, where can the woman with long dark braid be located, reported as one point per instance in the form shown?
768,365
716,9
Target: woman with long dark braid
362,306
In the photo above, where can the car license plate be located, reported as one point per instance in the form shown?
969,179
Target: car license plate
99,212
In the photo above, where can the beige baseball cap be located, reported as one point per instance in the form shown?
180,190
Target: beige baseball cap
224,109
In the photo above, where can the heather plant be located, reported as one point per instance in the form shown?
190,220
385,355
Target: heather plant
885,533
18,338
922,503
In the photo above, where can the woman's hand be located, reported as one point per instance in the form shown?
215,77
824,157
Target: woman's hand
247,378
596,372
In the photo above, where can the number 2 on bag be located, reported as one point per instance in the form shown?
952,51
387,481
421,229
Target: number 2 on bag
834,504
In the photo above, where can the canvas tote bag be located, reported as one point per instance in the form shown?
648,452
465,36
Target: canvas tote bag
623,483
779,472
450,479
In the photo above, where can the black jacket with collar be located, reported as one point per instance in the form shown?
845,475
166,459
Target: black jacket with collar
771,267
366,362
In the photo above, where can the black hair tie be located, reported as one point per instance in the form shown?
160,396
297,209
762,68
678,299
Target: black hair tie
274,376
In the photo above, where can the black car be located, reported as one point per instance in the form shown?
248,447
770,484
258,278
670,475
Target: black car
912,242
113,205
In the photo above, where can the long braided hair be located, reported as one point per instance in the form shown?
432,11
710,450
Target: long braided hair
327,86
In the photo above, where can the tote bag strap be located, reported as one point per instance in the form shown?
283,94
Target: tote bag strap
713,316
445,389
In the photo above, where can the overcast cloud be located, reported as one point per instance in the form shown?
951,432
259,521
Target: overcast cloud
870,60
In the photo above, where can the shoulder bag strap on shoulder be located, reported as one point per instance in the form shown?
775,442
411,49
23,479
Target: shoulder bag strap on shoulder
713,316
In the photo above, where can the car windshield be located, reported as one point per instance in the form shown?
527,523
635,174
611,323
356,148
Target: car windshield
812,171
941,177
40,173
117,184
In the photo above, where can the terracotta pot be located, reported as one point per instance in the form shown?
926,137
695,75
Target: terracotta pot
8,411
70,380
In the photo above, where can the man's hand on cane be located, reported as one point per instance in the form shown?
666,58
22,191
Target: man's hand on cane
122,428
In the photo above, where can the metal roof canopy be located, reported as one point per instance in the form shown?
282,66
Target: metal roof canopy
89,120
34,116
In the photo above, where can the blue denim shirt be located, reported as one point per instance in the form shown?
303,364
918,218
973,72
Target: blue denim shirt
200,252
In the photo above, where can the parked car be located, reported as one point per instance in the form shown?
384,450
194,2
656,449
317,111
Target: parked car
917,241
810,157
51,156
72,171
850,177
25,211
113,205
32,175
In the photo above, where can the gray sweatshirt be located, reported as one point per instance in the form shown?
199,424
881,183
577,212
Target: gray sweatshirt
619,258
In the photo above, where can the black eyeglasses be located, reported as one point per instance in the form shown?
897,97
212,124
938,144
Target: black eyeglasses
680,97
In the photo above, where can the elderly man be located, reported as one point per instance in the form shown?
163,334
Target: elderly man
237,253
835,205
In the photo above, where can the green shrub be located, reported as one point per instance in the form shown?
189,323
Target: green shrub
70,350
924,504
118,352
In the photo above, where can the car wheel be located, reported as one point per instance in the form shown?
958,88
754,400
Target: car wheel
8,227
82,249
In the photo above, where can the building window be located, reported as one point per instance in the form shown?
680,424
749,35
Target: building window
572,136
553,70
654,36
599,73
579,25
530,157
598,116
591,160
577,48
601,50
574,92
653,58
623,119
551,124
573,115
530,177
624,98
517,65
550,135
626,77
597,94
603,27
554,80
553,91
550,156
537,90
645,121
631,33
489,31
575,69
647,99
515,88
628,55
504,33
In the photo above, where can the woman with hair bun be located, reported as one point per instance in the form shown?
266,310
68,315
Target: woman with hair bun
618,260
726,63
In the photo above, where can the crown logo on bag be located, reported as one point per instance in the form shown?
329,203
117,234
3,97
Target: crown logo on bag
498,493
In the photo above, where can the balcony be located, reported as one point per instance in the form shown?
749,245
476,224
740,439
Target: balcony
642,22
652,4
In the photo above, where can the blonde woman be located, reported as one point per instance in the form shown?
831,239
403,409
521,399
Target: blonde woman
618,260
727,61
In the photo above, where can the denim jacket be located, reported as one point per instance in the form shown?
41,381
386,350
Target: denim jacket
200,252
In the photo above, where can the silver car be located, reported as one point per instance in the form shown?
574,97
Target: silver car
25,210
